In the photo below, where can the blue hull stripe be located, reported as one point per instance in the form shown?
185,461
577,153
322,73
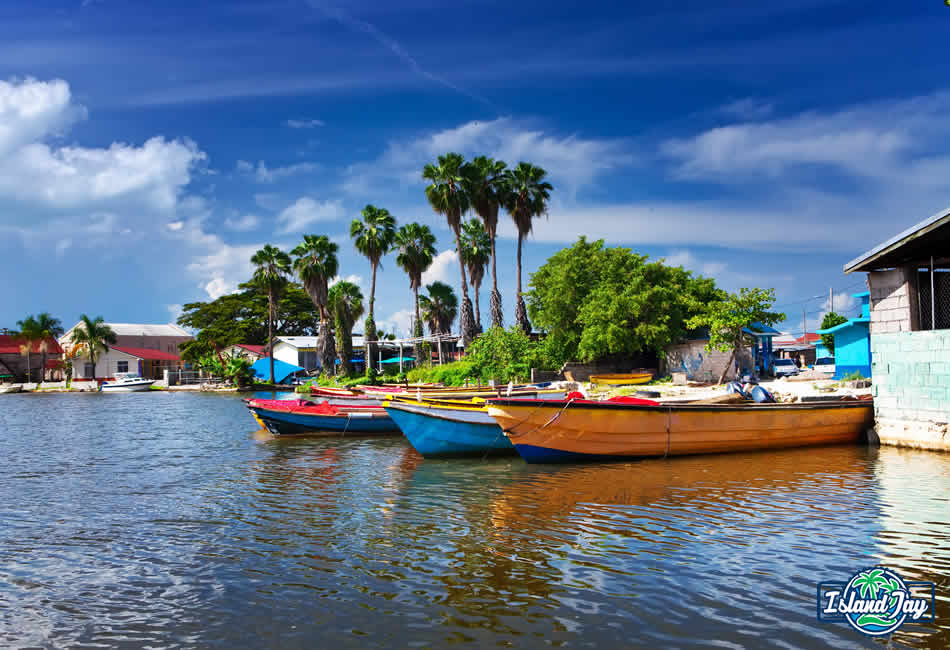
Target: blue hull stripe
435,437
533,454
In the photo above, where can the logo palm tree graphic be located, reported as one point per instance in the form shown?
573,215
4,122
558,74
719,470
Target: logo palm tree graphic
871,584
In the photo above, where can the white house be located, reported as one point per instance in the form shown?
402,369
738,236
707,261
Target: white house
117,359
166,338
251,352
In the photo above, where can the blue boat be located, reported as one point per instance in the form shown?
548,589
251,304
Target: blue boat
296,417
441,430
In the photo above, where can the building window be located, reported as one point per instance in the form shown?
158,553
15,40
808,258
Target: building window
933,313
89,371
121,366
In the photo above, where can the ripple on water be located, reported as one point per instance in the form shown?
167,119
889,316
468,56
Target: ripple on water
163,520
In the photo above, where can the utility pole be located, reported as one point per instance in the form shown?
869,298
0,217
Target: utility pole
831,298
804,329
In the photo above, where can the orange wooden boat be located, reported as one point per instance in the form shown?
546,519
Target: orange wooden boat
562,431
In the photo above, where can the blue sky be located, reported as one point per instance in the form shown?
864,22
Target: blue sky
146,151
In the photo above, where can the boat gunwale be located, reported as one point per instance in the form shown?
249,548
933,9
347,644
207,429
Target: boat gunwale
439,416
796,406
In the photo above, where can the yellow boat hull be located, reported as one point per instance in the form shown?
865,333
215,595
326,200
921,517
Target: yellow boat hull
622,379
561,431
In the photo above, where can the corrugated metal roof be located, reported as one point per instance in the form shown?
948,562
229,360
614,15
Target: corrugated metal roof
144,353
137,329
899,240
10,344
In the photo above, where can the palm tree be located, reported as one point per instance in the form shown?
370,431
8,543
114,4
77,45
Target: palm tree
373,237
475,254
273,267
485,185
415,244
526,197
439,309
345,301
95,336
36,331
447,197
316,264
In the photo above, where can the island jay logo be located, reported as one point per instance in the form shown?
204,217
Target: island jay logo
876,601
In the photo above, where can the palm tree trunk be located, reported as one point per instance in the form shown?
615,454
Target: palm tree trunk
270,333
478,310
370,335
417,346
326,344
43,369
497,316
521,313
466,320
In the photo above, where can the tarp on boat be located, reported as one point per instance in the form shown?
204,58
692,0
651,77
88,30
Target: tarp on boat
283,371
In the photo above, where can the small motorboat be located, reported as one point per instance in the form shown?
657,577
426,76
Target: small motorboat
545,431
443,428
126,383
622,379
296,417
10,388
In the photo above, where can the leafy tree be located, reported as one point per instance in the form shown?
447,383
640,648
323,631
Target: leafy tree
415,244
475,253
503,355
727,318
316,263
526,197
373,237
95,337
484,180
830,320
595,302
446,194
346,304
242,318
439,309
272,268
36,331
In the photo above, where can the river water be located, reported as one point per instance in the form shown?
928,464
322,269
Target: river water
165,520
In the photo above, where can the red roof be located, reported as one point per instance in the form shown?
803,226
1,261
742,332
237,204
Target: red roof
150,355
808,338
10,344
256,349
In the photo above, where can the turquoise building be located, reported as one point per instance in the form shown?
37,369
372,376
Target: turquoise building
853,341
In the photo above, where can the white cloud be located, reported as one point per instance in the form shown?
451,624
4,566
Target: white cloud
305,212
304,124
398,323
176,225
243,223
873,141
353,278
174,311
443,265
264,174
31,110
687,260
571,161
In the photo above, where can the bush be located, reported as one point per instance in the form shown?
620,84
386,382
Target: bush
450,374
853,376
504,355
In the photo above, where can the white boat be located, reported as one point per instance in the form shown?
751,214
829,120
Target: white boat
127,383
10,388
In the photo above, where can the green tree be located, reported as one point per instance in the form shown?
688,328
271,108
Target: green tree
485,185
526,197
596,302
830,320
37,330
727,319
242,318
415,245
475,254
439,310
346,304
373,237
503,355
270,275
446,194
95,337
316,264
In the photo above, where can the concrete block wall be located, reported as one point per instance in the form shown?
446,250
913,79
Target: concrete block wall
701,364
890,301
911,372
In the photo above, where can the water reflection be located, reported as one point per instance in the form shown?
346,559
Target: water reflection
177,526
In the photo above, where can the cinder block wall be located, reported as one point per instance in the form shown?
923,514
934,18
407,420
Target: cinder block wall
701,364
911,373
891,298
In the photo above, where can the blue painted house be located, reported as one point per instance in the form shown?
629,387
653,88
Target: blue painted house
853,341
